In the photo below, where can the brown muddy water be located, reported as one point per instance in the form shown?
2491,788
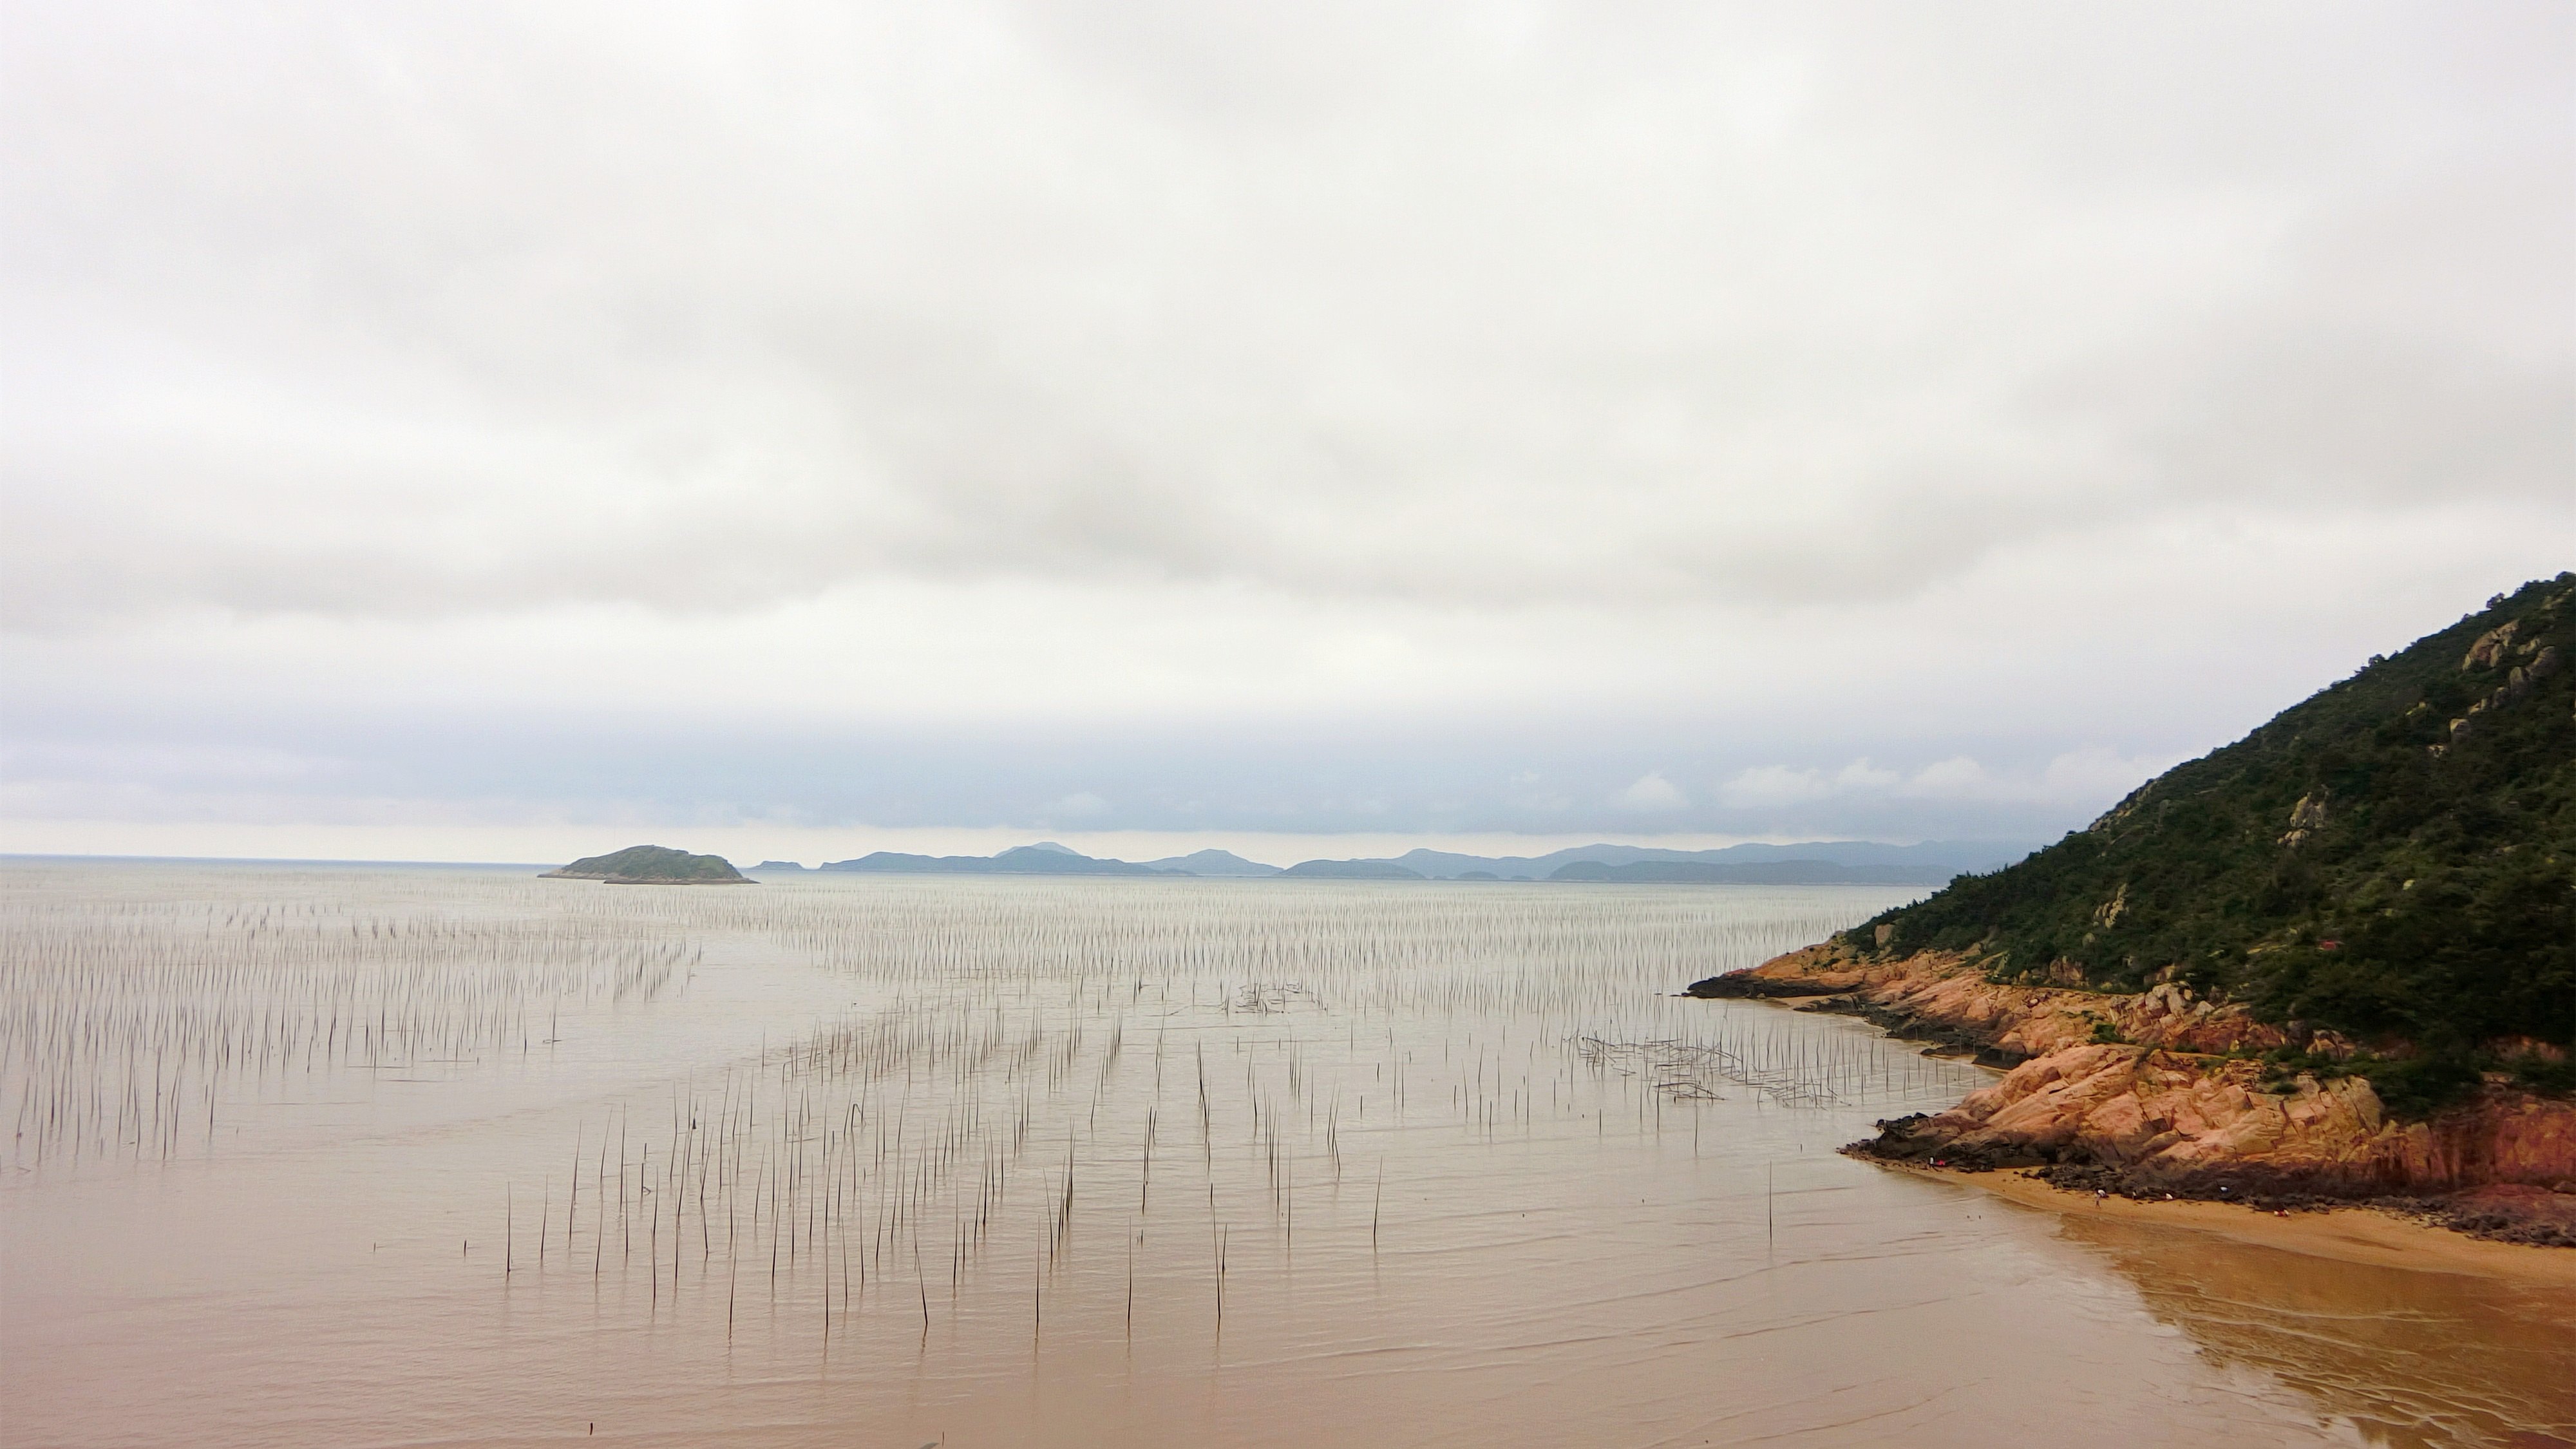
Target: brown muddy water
345,1156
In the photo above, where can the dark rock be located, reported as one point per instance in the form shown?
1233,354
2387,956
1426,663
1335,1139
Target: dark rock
1744,985
1939,1038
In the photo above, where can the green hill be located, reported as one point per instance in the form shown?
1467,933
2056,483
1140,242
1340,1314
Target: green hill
2392,861
652,865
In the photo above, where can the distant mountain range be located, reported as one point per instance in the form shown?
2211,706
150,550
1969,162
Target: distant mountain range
1212,862
1831,862
1047,858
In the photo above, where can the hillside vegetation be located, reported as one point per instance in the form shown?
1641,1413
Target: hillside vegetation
2388,868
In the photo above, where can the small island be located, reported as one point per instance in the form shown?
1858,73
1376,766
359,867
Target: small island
652,865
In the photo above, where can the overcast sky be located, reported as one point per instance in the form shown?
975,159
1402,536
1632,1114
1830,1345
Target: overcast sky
439,429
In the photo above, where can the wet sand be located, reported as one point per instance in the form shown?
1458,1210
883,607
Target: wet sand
2357,1234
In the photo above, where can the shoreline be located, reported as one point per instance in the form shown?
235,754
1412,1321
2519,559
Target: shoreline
2161,1092
2357,1233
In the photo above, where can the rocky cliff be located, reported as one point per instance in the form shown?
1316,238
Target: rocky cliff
2159,1091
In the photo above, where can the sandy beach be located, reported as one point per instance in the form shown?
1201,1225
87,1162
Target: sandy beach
2356,1234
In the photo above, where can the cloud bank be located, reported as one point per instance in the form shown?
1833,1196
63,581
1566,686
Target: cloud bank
1116,411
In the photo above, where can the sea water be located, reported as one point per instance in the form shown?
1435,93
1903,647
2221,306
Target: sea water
402,1156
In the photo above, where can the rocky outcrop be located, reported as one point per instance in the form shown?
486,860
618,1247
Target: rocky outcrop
2202,1127
1949,995
2143,1086
1761,985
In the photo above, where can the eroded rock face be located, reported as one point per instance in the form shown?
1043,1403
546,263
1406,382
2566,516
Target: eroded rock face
2491,646
2140,1083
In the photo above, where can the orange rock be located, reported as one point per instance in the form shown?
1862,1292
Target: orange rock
2161,1100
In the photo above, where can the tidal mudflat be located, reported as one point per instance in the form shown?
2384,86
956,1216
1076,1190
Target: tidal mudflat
348,1156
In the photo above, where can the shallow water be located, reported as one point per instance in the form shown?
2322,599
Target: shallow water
376,1157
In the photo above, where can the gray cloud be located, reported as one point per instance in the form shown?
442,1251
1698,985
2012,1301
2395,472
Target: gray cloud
1384,357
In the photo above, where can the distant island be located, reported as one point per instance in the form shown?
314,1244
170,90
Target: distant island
1353,870
1212,862
652,865
1045,858
1834,862
2334,959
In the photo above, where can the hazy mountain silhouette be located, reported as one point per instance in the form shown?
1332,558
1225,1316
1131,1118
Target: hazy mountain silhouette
1832,862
